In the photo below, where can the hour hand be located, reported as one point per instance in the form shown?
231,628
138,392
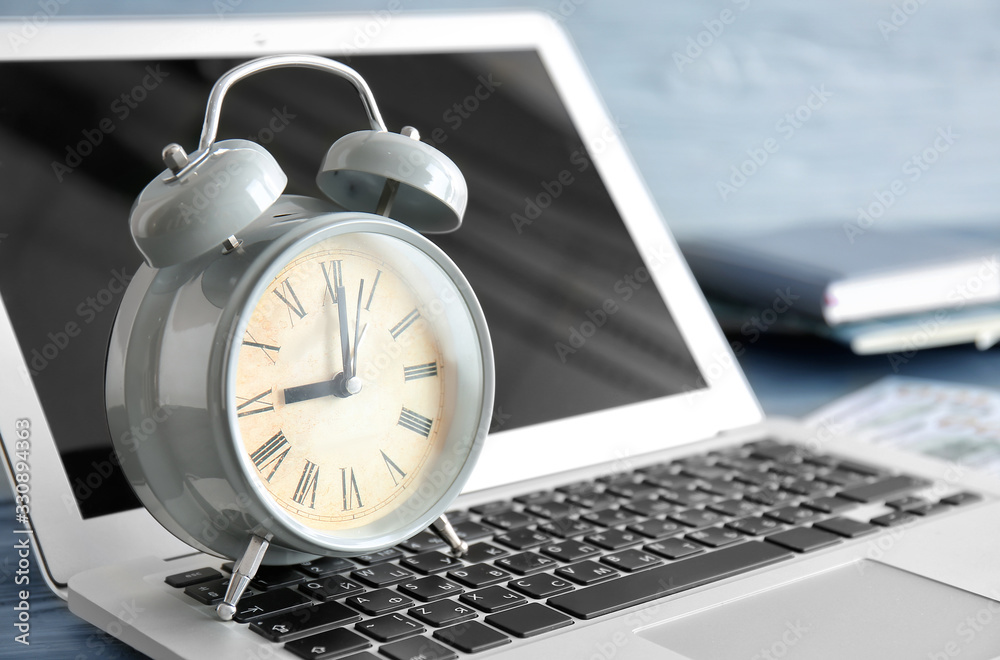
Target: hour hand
338,386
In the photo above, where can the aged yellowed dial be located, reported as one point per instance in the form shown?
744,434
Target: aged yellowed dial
340,386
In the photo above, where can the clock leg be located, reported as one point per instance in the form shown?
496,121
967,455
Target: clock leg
442,527
243,572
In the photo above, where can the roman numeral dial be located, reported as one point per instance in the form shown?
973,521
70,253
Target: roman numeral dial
341,382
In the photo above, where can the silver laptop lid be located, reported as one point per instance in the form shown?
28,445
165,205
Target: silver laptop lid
604,346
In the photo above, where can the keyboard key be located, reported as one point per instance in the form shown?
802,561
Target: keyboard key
330,644
807,487
929,509
959,499
525,563
522,539
722,487
793,515
422,542
537,496
674,548
846,527
269,603
379,557
631,490
530,620
894,518
330,588
586,572
197,576
689,498
490,508
655,528
737,508
472,637
631,560
390,627
671,578
509,520
276,577
364,655
211,593
614,539
381,575
417,648
648,507
830,504
755,526
697,517
306,621
380,601
540,585
478,575
861,468
442,613
610,517
670,481
325,567
569,550
882,489
430,562
592,500
715,537
565,528
908,502
804,539
551,509
769,497
430,588
484,552
492,599
470,531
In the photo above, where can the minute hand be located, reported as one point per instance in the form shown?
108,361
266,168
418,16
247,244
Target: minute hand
345,339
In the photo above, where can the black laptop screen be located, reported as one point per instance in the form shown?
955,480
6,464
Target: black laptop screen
577,324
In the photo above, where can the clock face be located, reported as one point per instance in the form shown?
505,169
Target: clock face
341,382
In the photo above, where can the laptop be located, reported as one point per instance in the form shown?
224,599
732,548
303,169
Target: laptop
631,501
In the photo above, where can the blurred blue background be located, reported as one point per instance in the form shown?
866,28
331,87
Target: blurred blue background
695,85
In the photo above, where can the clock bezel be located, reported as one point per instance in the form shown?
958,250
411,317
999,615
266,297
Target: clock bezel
281,524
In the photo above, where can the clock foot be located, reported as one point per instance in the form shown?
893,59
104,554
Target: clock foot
243,571
442,527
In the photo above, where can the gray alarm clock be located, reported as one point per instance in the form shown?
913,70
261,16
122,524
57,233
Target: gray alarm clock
324,376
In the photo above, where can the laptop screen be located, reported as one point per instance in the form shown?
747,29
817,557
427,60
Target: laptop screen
577,324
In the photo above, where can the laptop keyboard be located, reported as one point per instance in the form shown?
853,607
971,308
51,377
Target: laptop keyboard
541,561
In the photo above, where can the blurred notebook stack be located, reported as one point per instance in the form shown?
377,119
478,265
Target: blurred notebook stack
876,291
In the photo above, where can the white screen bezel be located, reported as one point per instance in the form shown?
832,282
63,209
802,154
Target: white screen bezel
72,544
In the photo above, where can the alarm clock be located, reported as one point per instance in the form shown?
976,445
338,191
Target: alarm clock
312,378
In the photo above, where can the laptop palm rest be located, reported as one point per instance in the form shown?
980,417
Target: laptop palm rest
862,610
